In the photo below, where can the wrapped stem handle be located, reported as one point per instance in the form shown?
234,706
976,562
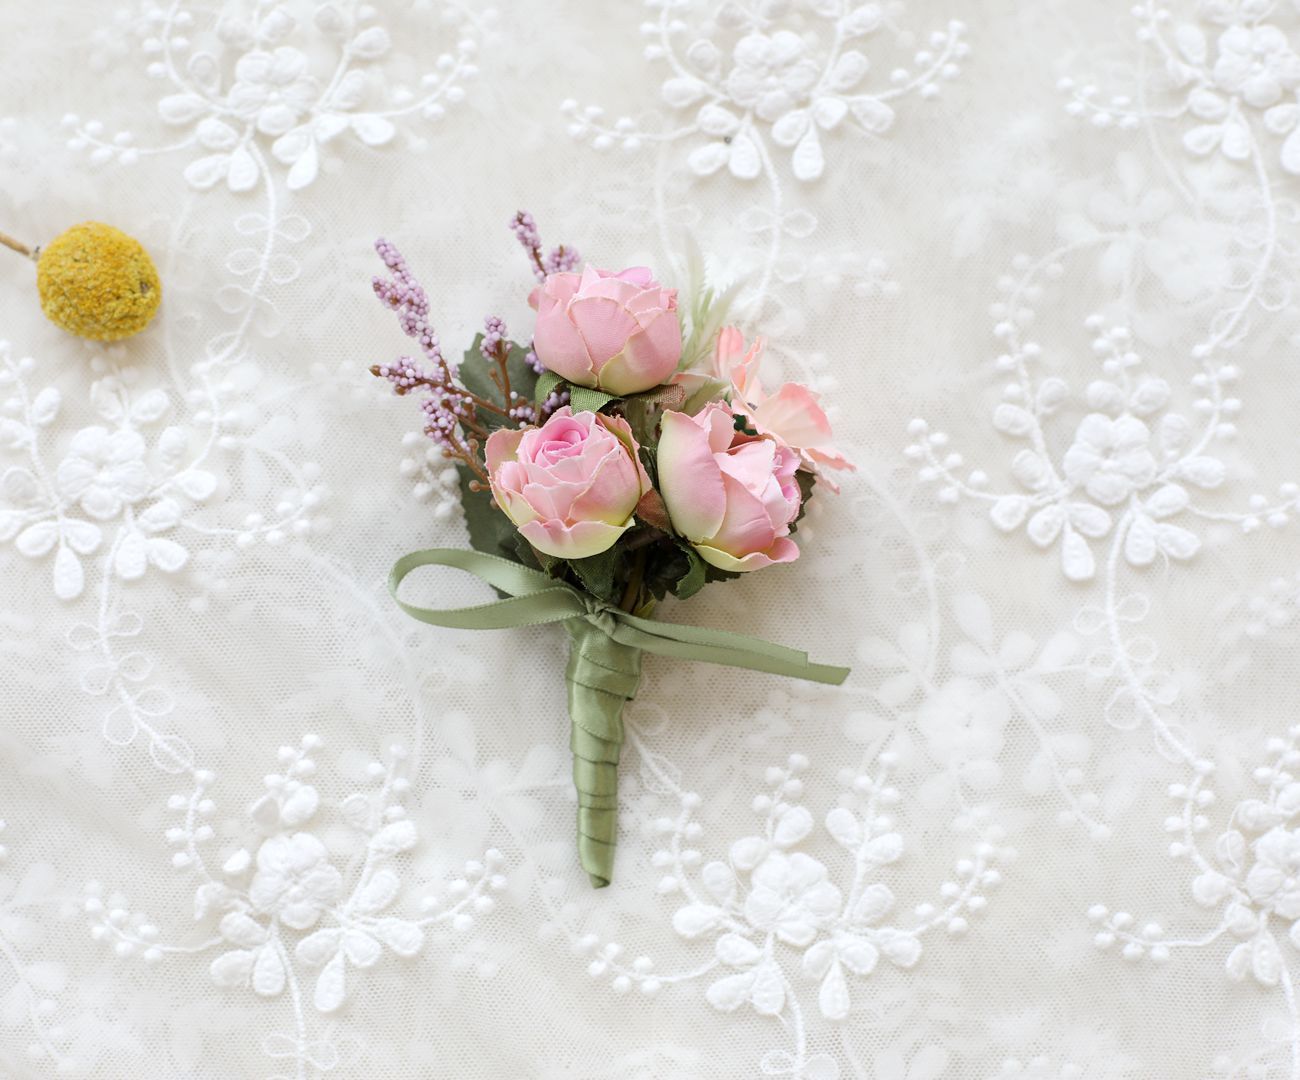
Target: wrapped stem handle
604,668
602,677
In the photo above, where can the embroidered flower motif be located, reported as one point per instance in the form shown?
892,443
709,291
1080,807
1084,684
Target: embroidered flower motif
771,74
783,80
134,488
1274,881
963,724
1253,67
790,897
1256,63
294,880
105,471
272,90
1110,458
258,86
263,903
1223,82
1249,875
768,894
1131,459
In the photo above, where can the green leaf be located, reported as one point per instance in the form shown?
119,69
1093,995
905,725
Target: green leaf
546,382
643,419
695,577
599,574
650,459
490,531
527,554
712,573
585,399
708,310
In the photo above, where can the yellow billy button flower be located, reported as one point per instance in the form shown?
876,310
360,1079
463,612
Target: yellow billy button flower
95,281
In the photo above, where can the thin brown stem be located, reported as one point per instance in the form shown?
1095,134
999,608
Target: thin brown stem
502,374
482,403
16,245
468,455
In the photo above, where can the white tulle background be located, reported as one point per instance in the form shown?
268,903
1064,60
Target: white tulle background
1040,260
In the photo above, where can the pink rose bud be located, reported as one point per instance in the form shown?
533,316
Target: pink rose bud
617,332
730,494
570,485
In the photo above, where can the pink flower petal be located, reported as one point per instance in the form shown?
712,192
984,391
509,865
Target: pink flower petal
561,348
613,492
689,478
794,416
648,358
604,326
783,550
502,446
747,525
579,541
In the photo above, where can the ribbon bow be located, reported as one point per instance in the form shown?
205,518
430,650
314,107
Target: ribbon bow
604,668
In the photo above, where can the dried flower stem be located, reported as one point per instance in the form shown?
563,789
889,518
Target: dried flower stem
17,245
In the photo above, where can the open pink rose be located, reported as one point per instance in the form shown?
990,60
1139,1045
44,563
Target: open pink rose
731,495
792,416
617,332
570,485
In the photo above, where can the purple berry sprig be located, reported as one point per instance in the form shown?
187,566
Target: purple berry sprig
451,411
557,260
495,348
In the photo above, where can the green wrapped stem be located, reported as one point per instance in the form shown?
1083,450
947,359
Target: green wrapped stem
602,677
604,668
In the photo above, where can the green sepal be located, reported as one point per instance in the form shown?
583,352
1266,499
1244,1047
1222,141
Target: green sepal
668,396
807,481
587,399
642,411
530,556
695,577
546,382
672,566
599,574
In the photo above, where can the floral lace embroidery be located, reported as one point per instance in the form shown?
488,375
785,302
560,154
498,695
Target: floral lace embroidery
776,918
1228,76
750,79
246,85
106,478
283,911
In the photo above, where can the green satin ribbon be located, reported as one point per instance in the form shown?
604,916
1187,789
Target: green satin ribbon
604,669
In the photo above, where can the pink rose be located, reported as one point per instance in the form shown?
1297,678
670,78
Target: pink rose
570,485
731,495
617,332
792,415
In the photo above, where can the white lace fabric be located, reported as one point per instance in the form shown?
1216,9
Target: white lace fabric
1040,262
